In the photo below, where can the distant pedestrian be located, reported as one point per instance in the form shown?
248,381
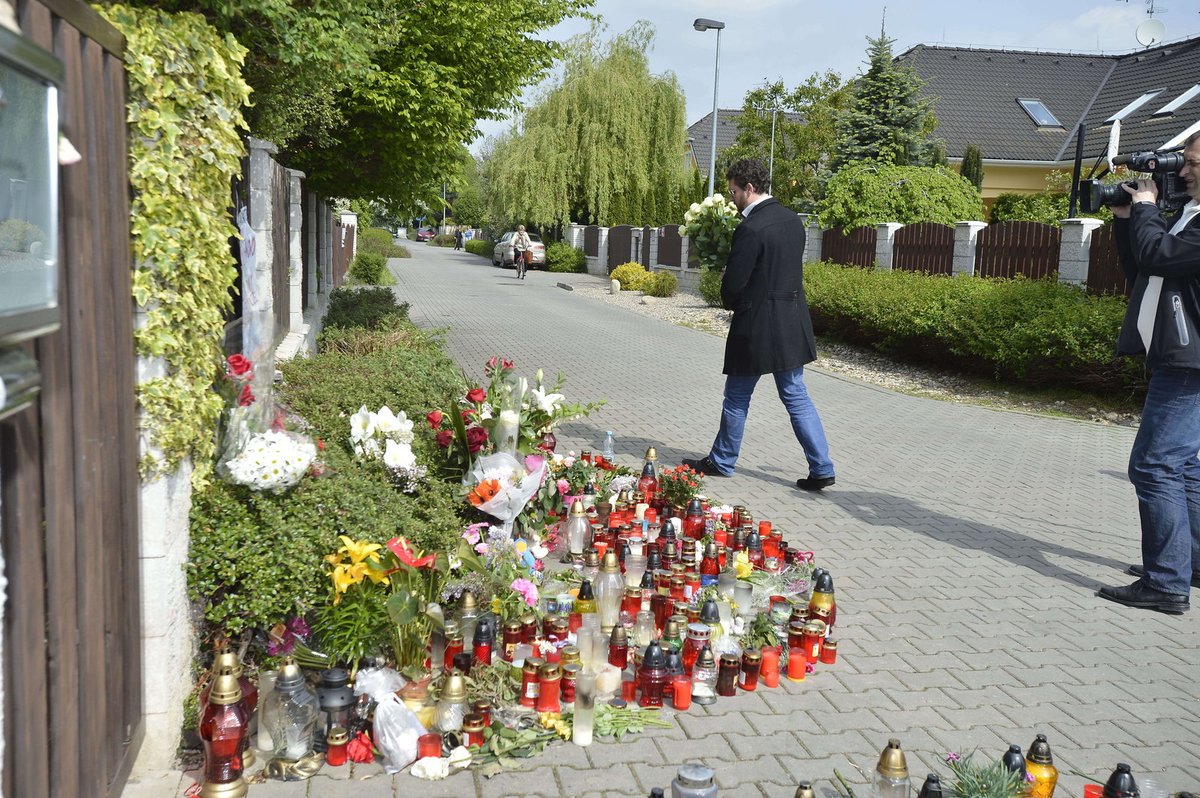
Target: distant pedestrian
458,239
522,250
771,331
1161,258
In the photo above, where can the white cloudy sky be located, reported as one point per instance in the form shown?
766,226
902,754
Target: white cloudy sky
791,39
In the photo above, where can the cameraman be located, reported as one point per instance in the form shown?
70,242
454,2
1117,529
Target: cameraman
1161,257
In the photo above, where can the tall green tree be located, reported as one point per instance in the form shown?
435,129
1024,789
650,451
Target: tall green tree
804,147
605,143
972,166
888,121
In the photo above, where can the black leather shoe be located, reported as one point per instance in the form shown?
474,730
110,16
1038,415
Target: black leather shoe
1139,571
705,466
1145,597
814,483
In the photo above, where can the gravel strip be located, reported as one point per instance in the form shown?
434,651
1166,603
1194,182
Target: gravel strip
689,310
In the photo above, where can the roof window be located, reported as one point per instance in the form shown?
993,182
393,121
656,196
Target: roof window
1039,113
1178,102
1133,106
1182,137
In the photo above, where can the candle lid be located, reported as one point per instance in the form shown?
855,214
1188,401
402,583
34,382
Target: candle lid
571,670
467,602
619,636
752,655
337,736
699,631
577,509
611,564
706,659
585,591
290,677
804,790
932,788
651,453
482,707
335,677
226,689
532,664
654,657
227,660
549,671
1121,783
709,613
591,558
730,661
451,628
1039,752
472,722
456,687
824,583
892,762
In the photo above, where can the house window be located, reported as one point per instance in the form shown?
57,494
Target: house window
1039,113
1178,102
1133,106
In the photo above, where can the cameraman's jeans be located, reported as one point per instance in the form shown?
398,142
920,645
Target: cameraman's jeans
805,421
1165,473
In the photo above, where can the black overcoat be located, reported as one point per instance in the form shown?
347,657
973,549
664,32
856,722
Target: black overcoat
763,285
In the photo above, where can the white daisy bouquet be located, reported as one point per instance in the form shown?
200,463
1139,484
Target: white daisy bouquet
272,460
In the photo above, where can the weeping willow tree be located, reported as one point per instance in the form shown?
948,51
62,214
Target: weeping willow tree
605,144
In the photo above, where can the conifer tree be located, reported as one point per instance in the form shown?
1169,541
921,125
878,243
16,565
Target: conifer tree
888,121
972,166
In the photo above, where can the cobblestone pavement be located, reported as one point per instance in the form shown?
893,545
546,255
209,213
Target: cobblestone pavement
966,546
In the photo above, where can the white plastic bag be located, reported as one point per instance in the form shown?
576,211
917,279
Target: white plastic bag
396,726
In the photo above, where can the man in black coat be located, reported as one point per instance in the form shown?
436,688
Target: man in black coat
771,331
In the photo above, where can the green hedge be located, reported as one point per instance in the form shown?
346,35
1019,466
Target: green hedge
442,240
369,268
480,246
562,257
710,287
381,242
661,284
1038,332
256,559
631,276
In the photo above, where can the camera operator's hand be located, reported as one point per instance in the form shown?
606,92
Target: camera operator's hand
1146,191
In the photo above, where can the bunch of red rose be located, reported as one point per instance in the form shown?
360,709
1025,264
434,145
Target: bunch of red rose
239,371
476,435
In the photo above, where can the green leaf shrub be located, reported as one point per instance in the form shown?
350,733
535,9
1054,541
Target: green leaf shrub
1036,332
660,284
564,258
1047,207
186,97
972,166
362,308
442,240
480,246
369,268
632,276
710,287
381,242
871,193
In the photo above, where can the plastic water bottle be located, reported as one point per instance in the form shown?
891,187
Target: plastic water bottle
608,446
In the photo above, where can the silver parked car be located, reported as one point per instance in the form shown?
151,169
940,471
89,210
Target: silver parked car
502,253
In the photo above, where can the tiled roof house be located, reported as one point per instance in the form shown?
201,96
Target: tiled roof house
700,136
1022,109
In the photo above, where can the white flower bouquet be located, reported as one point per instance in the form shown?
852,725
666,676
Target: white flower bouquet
272,460
387,437
709,226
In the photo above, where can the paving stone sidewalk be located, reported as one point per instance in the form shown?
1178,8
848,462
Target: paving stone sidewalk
966,546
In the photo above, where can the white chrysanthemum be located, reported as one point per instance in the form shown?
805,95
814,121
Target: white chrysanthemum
272,461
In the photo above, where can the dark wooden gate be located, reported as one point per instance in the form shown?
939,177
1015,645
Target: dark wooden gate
855,249
68,466
924,247
670,246
1008,249
591,241
1105,275
620,239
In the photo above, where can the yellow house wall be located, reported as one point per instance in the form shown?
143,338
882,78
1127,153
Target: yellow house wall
1010,178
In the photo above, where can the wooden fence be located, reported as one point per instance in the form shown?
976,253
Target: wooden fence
1105,275
855,249
343,251
591,241
72,631
1008,249
925,247
670,246
620,239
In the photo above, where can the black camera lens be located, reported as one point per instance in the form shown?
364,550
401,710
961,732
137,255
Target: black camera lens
1095,195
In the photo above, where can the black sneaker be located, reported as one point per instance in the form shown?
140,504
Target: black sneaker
814,483
705,466
1144,597
1139,571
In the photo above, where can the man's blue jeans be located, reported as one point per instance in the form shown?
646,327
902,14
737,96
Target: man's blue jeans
805,421
1165,473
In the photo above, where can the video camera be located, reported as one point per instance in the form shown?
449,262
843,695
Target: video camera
1163,165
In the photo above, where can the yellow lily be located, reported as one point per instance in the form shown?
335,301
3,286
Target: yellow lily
344,576
741,565
359,550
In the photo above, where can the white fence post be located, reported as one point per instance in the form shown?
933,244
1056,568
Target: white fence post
1075,250
965,234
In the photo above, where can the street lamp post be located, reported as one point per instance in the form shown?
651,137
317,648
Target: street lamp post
702,25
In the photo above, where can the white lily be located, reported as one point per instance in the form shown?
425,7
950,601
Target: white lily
399,455
362,424
548,402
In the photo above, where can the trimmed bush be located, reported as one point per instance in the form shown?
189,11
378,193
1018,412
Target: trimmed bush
632,276
873,193
369,268
1037,332
710,287
564,258
480,246
442,240
381,242
661,284
362,308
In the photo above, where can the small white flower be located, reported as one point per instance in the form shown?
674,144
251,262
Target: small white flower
694,209
362,424
399,455
708,202
717,198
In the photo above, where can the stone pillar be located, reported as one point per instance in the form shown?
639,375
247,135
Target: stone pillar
965,234
258,303
1075,250
575,235
310,248
812,238
295,251
599,264
326,216
683,253
885,240
654,247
